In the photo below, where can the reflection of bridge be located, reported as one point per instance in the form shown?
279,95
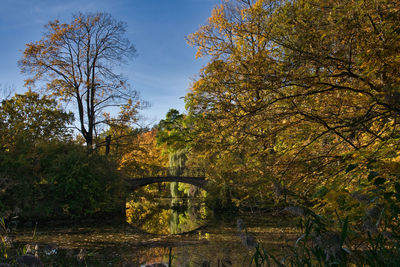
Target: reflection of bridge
193,176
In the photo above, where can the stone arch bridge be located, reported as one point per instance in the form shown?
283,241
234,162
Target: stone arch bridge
193,176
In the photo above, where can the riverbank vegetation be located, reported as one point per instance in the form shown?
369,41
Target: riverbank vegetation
296,110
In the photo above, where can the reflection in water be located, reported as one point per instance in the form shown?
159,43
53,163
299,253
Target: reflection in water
166,214
218,244
106,244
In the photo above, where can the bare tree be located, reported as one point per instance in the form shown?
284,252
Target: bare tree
78,61
5,92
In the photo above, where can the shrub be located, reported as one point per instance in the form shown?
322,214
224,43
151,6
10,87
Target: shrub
60,180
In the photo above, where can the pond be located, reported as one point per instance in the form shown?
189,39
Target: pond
164,230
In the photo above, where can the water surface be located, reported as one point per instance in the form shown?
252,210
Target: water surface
164,230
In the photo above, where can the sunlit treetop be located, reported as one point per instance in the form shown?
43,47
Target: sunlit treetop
31,118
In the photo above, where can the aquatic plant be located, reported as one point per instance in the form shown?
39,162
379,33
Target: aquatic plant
30,257
260,256
335,241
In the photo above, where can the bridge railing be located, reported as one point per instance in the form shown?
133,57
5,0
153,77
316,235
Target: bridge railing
175,172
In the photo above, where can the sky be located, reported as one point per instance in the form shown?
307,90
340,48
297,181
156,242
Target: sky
165,65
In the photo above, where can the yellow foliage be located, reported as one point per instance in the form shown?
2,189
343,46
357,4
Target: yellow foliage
143,156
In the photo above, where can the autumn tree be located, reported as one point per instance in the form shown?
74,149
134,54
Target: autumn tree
303,95
78,61
295,87
143,157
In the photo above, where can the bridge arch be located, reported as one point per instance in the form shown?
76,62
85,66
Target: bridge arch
188,175
140,182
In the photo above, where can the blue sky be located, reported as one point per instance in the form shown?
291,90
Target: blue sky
165,65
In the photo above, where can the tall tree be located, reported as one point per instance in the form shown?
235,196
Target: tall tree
173,131
77,61
298,85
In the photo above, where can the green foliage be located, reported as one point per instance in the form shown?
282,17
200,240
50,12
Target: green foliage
262,258
31,118
220,199
80,184
173,131
59,180
41,173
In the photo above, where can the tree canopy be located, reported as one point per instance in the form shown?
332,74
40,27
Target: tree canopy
78,61
33,119
298,85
